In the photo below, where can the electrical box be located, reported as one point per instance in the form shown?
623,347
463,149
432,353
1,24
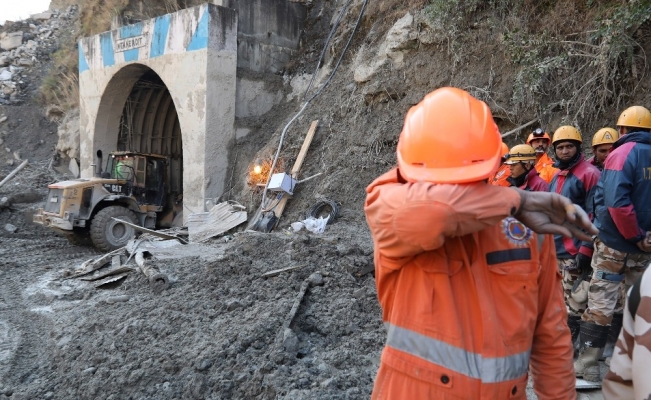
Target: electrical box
282,182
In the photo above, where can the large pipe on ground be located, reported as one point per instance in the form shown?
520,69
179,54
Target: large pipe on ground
157,280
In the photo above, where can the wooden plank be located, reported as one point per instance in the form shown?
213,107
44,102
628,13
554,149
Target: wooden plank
17,170
94,264
108,273
280,271
306,144
280,208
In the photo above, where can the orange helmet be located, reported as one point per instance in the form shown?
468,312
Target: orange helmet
505,149
449,137
538,134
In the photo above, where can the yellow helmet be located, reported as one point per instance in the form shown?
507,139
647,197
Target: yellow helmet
605,136
566,132
635,117
521,152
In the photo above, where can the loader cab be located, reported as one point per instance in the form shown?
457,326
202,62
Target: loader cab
141,176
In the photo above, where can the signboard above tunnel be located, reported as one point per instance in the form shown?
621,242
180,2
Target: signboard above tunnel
130,43
268,35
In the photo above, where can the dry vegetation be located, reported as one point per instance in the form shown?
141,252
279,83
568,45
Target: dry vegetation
580,58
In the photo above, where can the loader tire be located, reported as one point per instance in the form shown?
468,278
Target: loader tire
108,234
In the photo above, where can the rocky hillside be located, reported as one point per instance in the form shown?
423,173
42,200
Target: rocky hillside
548,63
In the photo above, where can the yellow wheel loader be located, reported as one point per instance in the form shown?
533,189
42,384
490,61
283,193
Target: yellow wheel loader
134,187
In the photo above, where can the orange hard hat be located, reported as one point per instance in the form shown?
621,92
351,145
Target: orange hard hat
505,149
449,137
538,134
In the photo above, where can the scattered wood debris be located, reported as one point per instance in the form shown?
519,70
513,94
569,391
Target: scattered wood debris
277,272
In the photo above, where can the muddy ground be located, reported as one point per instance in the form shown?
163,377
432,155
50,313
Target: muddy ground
216,333
220,331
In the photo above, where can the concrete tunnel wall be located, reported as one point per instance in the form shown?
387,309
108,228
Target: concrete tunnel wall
194,52
269,32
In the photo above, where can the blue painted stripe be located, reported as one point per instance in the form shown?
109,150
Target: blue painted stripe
161,28
127,32
83,64
200,38
473,365
106,43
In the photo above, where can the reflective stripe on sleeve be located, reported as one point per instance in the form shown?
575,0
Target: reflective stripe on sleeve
488,370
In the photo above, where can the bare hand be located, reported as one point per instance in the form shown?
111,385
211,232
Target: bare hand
551,213
645,244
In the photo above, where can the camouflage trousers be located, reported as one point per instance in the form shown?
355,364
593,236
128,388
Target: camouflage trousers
606,296
576,305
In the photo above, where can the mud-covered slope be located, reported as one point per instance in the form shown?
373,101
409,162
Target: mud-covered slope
217,333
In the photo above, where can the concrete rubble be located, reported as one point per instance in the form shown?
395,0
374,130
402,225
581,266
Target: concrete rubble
23,45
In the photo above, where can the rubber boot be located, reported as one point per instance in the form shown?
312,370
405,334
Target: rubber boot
613,334
573,323
593,337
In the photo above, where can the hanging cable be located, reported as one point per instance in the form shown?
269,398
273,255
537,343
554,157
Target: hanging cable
334,70
325,47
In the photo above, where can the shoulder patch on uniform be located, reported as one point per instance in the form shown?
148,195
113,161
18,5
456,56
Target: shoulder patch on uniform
516,232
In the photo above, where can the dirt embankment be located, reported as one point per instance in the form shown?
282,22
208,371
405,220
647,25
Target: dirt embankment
218,332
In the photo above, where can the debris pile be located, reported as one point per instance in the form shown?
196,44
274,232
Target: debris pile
24,45
230,325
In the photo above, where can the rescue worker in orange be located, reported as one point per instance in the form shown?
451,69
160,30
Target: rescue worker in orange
539,140
470,295
524,176
501,177
602,142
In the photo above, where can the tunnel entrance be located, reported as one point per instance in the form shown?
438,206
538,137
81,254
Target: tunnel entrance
150,124
137,95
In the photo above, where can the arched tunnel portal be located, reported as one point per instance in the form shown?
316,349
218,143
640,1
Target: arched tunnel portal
150,124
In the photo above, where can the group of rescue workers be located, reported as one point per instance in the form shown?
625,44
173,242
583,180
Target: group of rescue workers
472,276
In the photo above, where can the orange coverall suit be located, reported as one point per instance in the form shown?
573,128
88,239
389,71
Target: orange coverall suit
545,168
501,176
470,297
